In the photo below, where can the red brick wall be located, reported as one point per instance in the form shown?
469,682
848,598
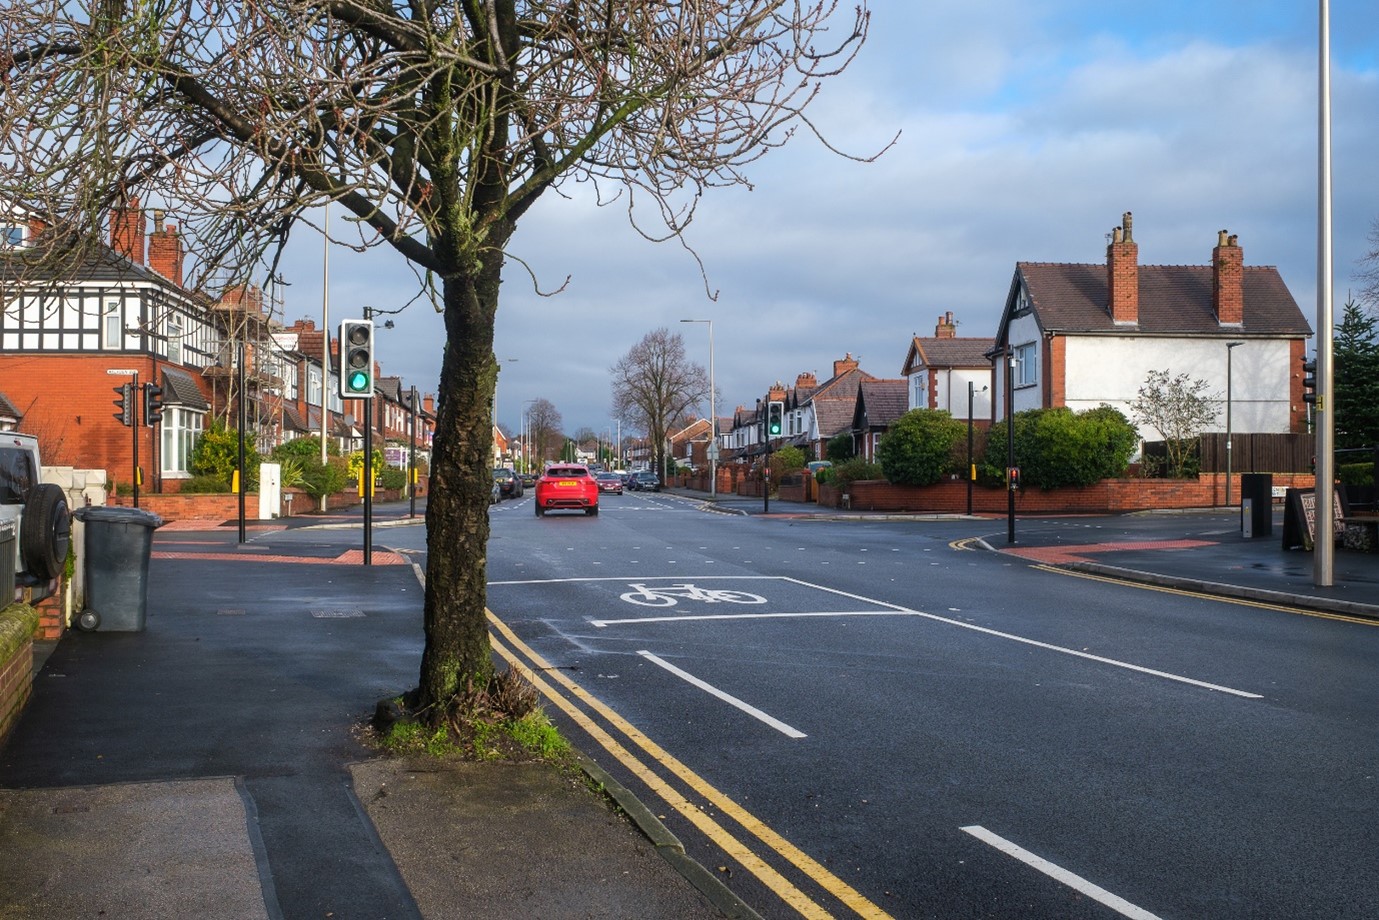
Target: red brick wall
16,666
1107,496
75,422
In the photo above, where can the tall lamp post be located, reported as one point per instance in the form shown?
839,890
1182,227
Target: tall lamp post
1230,347
971,469
713,415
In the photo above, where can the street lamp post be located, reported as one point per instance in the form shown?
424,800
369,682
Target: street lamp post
1230,348
971,469
713,415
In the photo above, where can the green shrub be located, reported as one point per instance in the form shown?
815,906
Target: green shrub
205,483
392,478
919,448
217,454
1057,447
839,449
1355,474
858,469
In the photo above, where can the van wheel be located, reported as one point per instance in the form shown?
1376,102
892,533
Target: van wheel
46,532
89,621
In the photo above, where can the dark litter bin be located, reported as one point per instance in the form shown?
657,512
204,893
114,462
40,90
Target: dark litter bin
119,542
1257,504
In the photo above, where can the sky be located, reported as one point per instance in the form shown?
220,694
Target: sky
1025,130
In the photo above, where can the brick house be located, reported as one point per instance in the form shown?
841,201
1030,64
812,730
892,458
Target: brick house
121,309
1080,335
826,410
940,371
878,405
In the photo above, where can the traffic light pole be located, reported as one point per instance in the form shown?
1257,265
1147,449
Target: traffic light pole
134,427
766,480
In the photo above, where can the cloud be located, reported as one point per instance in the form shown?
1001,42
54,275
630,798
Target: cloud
1023,136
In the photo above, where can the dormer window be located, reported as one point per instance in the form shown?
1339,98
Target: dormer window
12,236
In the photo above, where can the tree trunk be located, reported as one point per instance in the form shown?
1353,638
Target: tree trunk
457,650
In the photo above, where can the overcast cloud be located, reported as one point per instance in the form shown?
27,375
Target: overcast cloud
1026,129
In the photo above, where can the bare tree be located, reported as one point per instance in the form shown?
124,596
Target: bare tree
1180,408
543,422
435,127
1368,273
654,386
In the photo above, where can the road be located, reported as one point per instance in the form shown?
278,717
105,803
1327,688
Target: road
873,719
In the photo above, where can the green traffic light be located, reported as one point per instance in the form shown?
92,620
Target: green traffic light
358,382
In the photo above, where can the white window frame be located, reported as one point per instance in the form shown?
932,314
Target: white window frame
180,429
1026,365
112,325
175,340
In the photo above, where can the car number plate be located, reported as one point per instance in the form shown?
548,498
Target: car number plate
567,483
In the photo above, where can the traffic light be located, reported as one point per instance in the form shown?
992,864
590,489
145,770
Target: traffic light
1309,380
125,404
775,418
153,404
356,359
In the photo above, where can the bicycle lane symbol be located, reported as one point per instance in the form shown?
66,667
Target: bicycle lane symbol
670,595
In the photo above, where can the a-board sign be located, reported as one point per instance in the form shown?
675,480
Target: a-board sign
1300,518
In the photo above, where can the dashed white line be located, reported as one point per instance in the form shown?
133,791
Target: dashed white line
1058,873
725,697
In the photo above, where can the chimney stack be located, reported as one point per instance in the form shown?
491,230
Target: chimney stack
847,363
165,250
1123,274
1228,280
127,231
946,328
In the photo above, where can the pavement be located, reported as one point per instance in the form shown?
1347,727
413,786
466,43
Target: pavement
215,763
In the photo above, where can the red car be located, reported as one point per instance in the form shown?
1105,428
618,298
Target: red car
567,486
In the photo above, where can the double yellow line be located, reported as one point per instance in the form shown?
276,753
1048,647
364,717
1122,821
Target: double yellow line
695,814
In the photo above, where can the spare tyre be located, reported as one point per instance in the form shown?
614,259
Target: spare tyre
45,532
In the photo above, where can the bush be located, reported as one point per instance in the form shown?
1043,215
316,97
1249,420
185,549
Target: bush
1355,474
1057,447
217,454
858,469
320,480
392,478
919,448
839,449
203,484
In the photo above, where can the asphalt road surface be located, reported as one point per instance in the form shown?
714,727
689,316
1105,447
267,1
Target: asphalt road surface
873,719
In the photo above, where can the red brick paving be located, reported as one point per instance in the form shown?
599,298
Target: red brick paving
1079,553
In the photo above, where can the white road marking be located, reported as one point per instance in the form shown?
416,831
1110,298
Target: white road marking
725,697
889,610
1073,881
1037,644
757,616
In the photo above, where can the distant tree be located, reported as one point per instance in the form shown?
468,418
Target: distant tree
655,385
543,427
1179,408
1355,383
839,449
919,447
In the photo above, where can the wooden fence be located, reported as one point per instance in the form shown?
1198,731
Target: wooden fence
1250,453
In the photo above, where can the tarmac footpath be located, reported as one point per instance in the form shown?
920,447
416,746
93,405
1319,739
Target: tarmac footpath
213,766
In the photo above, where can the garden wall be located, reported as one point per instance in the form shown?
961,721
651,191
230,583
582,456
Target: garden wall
17,625
1107,496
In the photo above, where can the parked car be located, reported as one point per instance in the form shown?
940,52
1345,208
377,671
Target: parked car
528,479
609,482
646,481
567,486
508,482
